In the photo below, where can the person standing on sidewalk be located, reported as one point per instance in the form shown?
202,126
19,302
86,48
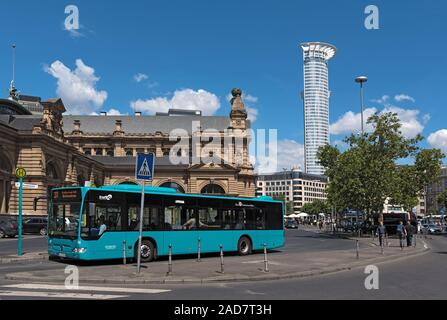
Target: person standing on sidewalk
409,232
381,231
401,232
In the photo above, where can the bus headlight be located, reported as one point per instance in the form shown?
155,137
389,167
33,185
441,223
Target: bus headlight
79,250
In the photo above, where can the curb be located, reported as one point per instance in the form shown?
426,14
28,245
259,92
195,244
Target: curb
238,278
40,257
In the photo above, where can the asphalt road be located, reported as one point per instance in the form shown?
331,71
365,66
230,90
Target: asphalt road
296,241
421,277
31,243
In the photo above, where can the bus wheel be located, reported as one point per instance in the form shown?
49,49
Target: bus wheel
244,246
43,232
147,251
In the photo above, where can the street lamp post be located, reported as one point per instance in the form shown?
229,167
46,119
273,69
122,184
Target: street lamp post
361,80
285,188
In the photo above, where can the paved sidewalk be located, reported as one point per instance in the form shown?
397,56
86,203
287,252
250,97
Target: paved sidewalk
282,265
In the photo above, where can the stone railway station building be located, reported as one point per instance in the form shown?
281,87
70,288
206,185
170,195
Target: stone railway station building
68,150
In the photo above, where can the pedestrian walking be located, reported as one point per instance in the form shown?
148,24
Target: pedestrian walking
409,230
381,231
401,232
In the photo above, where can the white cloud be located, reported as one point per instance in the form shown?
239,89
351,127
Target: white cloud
187,99
140,77
152,84
409,120
382,100
252,114
289,154
249,98
77,88
114,112
111,112
404,97
350,122
438,140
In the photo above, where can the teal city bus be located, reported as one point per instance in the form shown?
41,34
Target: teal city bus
103,223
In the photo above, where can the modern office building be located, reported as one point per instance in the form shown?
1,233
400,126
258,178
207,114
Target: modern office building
316,101
294,185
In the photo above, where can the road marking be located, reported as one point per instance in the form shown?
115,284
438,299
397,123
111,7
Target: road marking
262,261
254,293
36,286
65,295
24,238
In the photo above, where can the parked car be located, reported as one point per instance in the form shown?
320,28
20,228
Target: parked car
291,224
35,226
8,228
432,228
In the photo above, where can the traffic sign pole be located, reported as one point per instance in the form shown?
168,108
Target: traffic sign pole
140,236
144,170
19,249
20,173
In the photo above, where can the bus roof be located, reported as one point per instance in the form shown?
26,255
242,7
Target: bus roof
169,191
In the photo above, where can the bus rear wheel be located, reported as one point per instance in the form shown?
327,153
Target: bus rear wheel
244,246
147,251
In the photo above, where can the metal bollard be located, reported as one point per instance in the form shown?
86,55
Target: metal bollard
198,251
266,262
124,252
373,235
170,260
381,247
221,260
357,249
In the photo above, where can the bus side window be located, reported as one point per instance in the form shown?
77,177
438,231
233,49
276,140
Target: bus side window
240,219
273,215
228,219
210,218
260,219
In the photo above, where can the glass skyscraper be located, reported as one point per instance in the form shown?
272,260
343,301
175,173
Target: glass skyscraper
316,101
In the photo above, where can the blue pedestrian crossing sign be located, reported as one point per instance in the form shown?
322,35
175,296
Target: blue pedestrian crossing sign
144,169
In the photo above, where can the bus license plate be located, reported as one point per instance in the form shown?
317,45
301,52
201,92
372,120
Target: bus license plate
62,255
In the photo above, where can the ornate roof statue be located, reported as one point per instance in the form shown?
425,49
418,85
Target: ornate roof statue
13,92
236,101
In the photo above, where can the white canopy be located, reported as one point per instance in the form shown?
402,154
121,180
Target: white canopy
302,215
293,216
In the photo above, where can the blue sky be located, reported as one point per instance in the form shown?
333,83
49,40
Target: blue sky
195,52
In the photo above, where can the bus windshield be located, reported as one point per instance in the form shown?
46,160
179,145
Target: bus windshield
64,213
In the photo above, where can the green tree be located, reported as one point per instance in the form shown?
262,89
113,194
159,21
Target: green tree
316,207
411,180
367,173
